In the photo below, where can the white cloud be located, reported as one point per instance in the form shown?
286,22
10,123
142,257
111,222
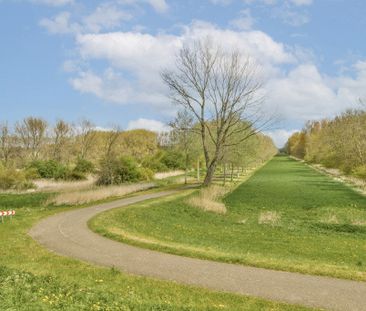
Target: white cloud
280,136
105,17
159,5
245,21
147,124
278,2
53,2
60,24
302,2
291,12
221,2
292,17
134,62
137,59
87,82
305,94
302,94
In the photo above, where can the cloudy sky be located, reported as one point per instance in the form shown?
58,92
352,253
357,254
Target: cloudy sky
101,60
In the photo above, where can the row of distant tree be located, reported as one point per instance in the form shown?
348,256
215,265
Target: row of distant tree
336,143
32,149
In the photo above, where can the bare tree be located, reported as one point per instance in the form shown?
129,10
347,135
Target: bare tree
220,90
183,128
32,133
61,135
86,138
111,141
6,142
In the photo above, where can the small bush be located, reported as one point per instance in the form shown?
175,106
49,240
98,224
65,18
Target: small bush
269,218
118,171
208,199
173,160
12,179
360,172
31,173
146,174
84,166
154,163
75,175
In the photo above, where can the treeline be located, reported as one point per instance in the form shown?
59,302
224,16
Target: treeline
32,149
338,143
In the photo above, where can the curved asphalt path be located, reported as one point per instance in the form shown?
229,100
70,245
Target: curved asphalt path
67,234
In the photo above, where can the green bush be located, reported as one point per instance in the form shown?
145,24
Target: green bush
53,169
12,179
118,171
146,173
360,172
74,175
173,159
47,169
31,173
154,163
84,166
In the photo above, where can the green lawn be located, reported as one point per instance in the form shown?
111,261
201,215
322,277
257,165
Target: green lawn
287,217
31,278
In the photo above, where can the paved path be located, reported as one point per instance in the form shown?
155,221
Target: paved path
68,234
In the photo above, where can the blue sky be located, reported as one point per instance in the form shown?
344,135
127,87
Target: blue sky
100,60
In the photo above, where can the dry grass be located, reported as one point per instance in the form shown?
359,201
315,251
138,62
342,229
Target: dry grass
337,175
47,185
359,222
269,218
208,199
330,219
164,175
97,194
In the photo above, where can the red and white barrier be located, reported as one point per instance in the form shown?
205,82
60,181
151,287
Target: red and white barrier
6,213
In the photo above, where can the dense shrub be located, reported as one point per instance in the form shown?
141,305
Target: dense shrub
56,170
360,172
173,159
48,169
118,171
84,166
146,173
154,162
12,179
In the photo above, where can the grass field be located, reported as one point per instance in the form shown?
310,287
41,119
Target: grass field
287,217
31,278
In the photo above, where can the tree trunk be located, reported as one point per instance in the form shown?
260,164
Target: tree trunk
210,173
232,172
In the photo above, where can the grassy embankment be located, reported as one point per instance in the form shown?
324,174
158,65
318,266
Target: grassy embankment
32,278
286,217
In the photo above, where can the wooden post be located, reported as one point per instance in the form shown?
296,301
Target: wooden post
198,170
